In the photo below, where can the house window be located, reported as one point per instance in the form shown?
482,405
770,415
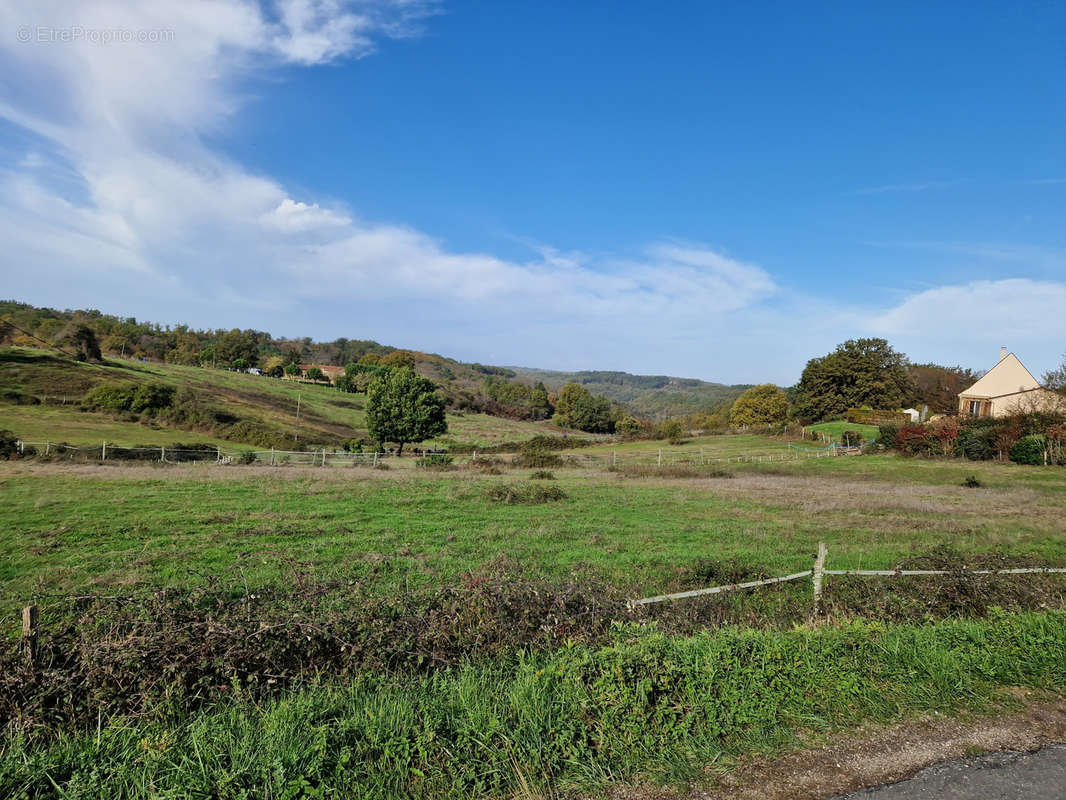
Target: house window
975,408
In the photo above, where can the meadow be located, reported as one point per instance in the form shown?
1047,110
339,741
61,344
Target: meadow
76,527
249,631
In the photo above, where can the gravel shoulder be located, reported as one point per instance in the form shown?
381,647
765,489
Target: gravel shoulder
996,776
872,762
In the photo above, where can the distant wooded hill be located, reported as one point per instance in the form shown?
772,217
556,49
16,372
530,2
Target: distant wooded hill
652,396
498,391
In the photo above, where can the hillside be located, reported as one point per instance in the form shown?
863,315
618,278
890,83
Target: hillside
503,392
652,396
40,393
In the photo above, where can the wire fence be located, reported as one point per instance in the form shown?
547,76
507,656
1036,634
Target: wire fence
326,457
818,573
185,453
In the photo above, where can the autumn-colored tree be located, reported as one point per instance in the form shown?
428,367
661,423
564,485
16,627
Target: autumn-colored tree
398,359
760,405
673,431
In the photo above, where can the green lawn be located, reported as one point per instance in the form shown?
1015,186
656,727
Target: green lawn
836,427
65,528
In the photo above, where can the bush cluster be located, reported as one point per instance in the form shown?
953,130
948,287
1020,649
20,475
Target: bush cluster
183,408
539,452
183,649
525,494
135,398
1025,438
435,461
8,446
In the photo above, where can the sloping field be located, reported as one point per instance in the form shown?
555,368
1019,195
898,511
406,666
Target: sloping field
320,415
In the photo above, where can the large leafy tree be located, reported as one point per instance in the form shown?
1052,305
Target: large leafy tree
577,407
236,344
860,372
403,407
760,405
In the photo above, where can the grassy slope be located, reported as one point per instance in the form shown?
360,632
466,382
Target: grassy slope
66,528
326,415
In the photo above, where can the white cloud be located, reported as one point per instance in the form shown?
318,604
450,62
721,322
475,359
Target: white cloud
293,217
119,202
972,321
128,120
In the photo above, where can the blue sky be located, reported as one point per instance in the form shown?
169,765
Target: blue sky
711,190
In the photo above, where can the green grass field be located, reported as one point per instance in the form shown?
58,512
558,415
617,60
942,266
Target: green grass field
69,528
589,704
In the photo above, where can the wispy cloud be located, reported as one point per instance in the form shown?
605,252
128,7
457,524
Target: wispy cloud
1033,256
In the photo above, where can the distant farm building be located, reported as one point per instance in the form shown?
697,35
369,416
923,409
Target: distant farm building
1007,388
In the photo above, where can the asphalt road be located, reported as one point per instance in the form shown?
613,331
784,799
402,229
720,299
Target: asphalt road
996,776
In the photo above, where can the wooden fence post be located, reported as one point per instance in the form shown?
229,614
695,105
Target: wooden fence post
29,634
816,577
660,456
271,456
103,452
163,453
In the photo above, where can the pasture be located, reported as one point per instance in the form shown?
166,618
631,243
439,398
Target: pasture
85,527
406,633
